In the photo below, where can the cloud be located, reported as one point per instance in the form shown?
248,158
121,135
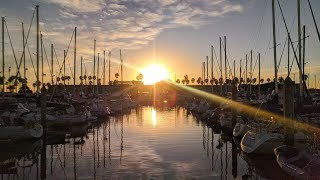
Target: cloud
135,23
66,14
79,5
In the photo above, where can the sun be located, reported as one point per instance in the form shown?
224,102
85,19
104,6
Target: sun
154,73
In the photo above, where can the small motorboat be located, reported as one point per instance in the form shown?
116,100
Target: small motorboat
299,164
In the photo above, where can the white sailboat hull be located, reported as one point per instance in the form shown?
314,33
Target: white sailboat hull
260,143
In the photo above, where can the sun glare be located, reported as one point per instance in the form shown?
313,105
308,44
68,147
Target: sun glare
154,73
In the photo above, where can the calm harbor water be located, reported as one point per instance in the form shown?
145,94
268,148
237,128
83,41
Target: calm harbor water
146,143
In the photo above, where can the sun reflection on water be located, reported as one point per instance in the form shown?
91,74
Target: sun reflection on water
154,117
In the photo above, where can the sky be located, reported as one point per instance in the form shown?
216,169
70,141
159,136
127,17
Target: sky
176,34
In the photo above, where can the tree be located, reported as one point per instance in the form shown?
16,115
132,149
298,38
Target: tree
178,81
216,81
34,86
235,80
116,75
199,80
305,77
220,81
140,77
281,80
248,80
241,80
186,77
211,81
261,80
254,80
268,80
193,80
183,81
68,78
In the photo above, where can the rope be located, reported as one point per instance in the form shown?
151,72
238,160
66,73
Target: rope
26,42
34,69
44,48
14,54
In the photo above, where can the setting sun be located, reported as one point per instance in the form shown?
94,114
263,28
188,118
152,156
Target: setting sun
154,73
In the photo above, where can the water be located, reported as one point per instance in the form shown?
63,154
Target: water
147,143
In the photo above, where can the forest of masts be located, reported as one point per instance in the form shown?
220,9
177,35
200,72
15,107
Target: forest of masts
227,74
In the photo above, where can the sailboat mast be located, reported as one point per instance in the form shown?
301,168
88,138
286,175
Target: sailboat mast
38,29
234,68
94,64
75,61
299,50
274,48
259,77
3,84
64,67
314,20
303,52
225,61
288,54
221,66
52,64
207,69
246,74
109,66
23,53
98,67
121,66
41,45
212,68
104,67
250,72
81,75
240,73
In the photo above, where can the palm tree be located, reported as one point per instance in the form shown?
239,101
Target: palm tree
281,80
305,77
186,77
235,80
199,80
220,81
241,80
193,80
116,75
254,80
248,80
34,87
140,77
216,81
68,78
268,80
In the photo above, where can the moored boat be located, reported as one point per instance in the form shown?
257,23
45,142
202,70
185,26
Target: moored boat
299,164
